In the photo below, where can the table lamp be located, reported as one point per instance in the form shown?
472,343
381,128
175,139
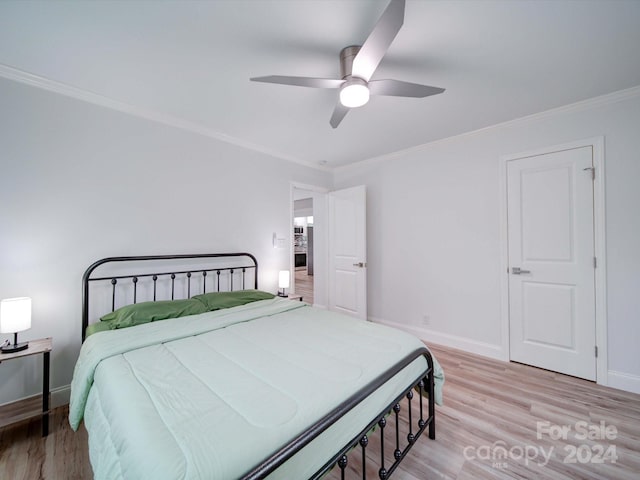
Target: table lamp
283,282
15,316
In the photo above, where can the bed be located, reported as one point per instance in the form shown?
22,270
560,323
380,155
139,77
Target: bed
234,382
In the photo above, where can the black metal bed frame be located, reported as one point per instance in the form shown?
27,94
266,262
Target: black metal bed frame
423,385
172,274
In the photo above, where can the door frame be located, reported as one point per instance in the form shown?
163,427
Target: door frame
319,300
597,143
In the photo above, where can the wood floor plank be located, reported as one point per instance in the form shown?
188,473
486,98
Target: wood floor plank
488,404
304,285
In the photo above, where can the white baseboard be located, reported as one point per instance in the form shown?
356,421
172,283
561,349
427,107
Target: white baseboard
60,396
624,381
448,340
31,406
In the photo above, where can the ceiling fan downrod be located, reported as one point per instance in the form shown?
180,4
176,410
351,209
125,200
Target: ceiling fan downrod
347,54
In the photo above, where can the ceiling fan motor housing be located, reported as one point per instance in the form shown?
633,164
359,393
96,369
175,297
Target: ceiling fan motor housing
347,54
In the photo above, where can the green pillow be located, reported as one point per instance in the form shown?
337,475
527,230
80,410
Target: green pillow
217,300
145,312
97,327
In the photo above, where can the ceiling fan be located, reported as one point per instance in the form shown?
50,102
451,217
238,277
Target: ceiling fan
357,66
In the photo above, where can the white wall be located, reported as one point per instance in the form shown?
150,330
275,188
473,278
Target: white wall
434,228
80,182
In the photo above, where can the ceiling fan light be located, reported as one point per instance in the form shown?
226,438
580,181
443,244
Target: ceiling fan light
354,93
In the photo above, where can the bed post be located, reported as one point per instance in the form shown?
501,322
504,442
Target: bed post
431,392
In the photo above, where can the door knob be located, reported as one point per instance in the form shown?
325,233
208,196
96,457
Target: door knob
519,271
360,264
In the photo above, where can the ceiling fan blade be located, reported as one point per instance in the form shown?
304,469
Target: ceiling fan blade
379,40
300,81
338,114
396,88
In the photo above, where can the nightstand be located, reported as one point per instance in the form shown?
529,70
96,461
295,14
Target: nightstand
42,346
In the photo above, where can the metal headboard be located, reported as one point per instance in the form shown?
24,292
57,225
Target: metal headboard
248,263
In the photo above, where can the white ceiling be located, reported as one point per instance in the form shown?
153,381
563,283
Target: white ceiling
191,61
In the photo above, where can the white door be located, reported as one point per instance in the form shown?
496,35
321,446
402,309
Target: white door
348,251
551,261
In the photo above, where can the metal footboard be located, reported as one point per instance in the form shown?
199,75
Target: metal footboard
425,381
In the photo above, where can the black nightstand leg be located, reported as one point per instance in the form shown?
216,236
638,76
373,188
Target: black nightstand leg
45,395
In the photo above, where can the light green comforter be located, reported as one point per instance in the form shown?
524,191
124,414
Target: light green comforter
209,389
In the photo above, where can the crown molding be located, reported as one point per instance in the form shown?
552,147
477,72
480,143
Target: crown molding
54,86
602,100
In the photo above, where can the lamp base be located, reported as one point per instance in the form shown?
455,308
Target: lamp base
16,347
282,294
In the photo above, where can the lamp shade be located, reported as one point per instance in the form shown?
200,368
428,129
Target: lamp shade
15,314
283,279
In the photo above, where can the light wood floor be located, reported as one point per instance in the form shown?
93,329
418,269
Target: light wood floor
485,401
62,455
304,285
490,404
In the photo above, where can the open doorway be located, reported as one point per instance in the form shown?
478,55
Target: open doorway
303,236
309,211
